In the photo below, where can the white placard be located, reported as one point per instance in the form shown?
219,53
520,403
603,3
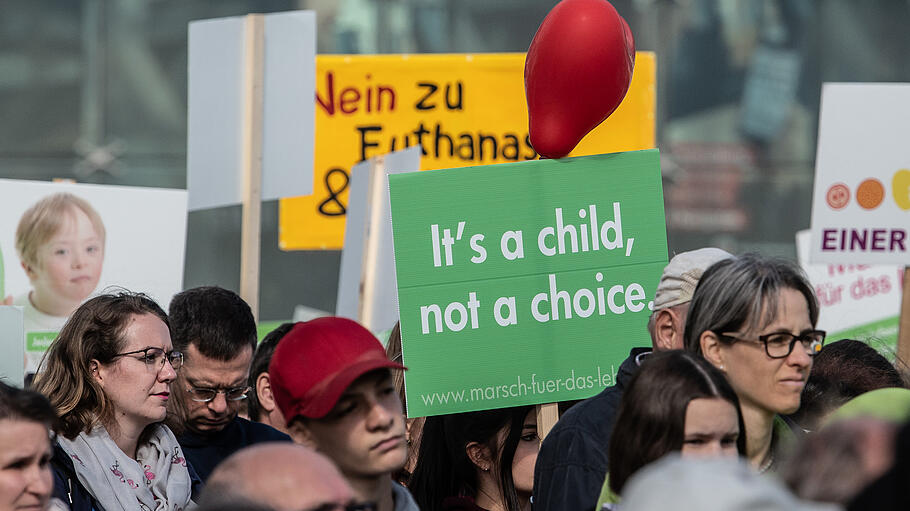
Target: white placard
855,301
861,200
12,349
144,244
215,61
369,229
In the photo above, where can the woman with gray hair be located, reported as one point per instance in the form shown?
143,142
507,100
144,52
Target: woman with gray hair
754,319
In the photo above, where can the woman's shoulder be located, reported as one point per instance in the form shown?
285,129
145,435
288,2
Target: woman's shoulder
61,463
67,487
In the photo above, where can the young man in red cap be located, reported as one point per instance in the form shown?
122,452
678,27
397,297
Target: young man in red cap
333,384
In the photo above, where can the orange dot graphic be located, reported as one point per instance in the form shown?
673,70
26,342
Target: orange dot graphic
870,193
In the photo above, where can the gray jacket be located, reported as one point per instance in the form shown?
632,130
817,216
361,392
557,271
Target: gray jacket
403,499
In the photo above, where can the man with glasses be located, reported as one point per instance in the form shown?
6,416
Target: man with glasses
333,383
215,331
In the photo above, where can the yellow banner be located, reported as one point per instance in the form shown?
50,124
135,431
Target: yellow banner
462,109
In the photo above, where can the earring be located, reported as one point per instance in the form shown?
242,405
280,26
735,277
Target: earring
721,367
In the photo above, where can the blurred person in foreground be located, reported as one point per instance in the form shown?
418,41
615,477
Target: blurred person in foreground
278,476
754,319
27,423
333,383
837,462
573,459
861,435
261,405
890,491
477,461
108,375
215,331
682,483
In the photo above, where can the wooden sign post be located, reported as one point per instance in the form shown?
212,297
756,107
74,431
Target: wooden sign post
367,289
547,415
903,333
251,158
249,76
371,242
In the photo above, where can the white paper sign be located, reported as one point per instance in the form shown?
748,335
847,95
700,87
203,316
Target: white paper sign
856,301
861,200
12,350
368,245
144,245
215,61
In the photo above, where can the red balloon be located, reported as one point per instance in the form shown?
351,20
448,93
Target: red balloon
577,72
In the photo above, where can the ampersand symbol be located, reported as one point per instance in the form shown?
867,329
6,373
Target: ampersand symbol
338,209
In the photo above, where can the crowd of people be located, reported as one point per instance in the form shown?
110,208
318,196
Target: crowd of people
736,404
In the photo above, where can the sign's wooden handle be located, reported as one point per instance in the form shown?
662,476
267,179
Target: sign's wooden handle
903,333
251,150
547,415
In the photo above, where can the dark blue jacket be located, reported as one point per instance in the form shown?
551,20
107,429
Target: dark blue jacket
206,452
69,489
572,462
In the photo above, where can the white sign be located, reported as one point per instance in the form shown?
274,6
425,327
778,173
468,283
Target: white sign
861,204
367,287
215,82
855,301
143,251
12,350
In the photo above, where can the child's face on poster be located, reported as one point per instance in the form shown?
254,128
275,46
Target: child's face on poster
70,262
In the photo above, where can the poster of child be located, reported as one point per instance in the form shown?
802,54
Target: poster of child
62,242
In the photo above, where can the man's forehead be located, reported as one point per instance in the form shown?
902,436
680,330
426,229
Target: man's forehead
199,367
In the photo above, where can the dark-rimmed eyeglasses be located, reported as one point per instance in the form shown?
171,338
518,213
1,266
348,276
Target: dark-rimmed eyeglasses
154,357
205,394
780,344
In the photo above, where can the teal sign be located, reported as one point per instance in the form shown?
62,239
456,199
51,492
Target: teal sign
525,283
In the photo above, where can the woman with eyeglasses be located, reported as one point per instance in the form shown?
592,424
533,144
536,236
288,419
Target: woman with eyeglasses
108,375
754,319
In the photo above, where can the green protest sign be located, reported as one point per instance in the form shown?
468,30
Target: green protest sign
39,342
524,283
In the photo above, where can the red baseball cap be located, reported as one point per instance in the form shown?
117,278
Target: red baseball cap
317,360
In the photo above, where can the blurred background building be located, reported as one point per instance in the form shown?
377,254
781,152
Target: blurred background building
95,90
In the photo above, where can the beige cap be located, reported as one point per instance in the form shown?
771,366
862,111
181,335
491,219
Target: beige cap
677,284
